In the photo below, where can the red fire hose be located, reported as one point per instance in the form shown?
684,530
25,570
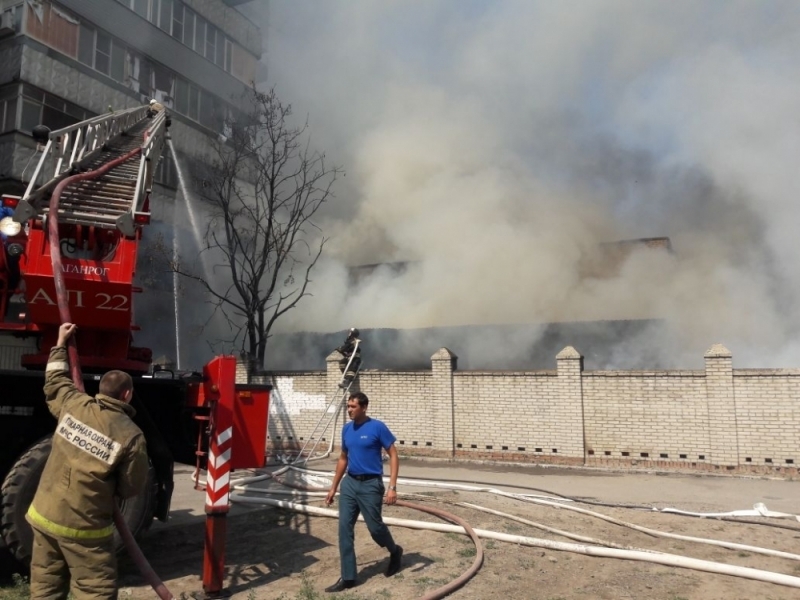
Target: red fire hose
462,579
448,588
75,368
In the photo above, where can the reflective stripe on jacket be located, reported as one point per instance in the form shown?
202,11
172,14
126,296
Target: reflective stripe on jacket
84,534
98,453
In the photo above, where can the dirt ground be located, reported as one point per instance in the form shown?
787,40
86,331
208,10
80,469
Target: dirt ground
275,554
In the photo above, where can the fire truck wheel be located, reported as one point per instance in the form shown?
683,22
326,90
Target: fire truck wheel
20,486
139,510
18,490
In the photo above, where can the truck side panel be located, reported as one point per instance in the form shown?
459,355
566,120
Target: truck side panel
162,414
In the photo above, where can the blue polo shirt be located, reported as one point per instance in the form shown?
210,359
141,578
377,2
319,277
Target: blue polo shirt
363,444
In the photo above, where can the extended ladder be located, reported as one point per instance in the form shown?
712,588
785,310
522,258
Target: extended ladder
97,175
119,197
328,418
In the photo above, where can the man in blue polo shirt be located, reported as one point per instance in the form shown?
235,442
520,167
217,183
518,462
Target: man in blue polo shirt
362,489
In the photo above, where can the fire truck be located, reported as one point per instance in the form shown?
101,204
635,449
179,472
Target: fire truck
101,172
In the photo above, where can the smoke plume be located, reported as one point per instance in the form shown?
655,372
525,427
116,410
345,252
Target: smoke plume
497,145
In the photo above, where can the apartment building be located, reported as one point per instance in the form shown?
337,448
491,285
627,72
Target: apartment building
63,61
67,60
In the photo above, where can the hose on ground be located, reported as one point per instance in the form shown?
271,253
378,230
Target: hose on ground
621,552
72,349
672,560
457,583
436,594
664,534
735,517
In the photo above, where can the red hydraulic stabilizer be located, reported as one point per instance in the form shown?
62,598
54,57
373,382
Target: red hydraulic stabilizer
233,436
95,206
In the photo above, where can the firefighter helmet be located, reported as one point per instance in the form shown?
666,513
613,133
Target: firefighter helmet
353,332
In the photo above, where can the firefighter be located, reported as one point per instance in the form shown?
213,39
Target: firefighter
155,108
98,454
351,347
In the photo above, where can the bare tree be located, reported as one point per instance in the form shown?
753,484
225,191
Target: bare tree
263,189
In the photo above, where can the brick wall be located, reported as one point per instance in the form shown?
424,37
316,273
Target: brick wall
768,417
715,419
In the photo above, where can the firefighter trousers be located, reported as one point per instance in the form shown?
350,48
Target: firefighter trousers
90,566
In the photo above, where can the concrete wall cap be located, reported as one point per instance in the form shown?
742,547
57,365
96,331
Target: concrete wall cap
568,353
334,356
443,354
718,351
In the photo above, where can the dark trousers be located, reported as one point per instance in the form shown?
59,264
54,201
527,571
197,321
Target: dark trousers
365,498
351,372
90,566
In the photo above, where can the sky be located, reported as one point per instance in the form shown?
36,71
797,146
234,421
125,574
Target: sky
497,144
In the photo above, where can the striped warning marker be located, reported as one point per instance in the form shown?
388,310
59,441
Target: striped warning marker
218,479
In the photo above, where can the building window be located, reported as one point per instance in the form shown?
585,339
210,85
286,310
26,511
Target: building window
164,80
99,51
228,54
207,110
165,15
8,110
118,62
102,55
211,42
43,108
194,103
182,96
200,36
200,106
31,115
140,7
177,21
86,45
14,14
145,78
9,115
220,58
188,27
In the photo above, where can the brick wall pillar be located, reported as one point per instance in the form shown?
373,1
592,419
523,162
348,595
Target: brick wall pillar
569,403
244,368
442,406
722,434
249,370
334,374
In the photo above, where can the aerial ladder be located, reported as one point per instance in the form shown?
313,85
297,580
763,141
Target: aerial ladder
99,173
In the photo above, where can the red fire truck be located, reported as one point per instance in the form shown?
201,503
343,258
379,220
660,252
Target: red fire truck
102,172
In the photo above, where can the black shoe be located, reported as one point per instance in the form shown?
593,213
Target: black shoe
341,585
394,561
344,385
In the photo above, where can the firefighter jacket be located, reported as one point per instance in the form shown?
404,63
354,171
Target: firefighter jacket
348,347
98,453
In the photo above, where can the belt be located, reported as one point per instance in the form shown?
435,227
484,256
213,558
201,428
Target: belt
363,477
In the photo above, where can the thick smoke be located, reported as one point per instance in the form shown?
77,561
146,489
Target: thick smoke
498,144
